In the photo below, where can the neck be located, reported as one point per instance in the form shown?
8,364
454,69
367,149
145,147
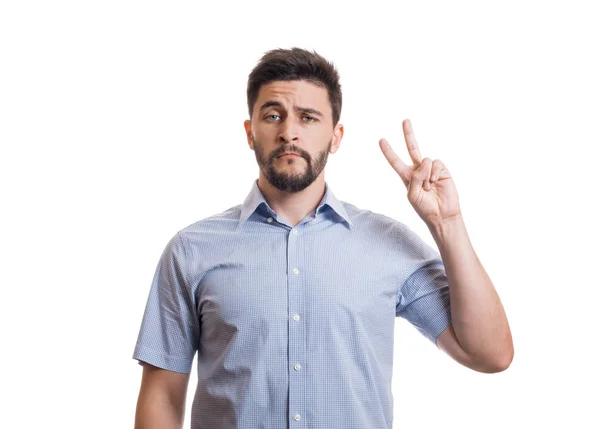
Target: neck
293,207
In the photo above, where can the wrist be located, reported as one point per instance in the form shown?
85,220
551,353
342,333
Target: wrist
446,230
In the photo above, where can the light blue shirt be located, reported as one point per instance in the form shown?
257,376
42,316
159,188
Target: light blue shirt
294,326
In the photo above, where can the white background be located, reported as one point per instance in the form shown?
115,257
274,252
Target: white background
121,122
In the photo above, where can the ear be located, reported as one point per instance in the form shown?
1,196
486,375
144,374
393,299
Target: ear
336,139
248,128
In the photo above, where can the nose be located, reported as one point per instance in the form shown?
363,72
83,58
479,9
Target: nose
288,131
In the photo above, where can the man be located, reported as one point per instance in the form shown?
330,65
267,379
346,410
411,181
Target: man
290,298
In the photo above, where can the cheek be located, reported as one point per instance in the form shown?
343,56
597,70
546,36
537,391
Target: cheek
265,140
264,129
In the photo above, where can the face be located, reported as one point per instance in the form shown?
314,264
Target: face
292,116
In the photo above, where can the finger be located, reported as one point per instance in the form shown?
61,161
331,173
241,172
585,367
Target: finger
436,169
439,171
429,179
394,160
411,142
420,178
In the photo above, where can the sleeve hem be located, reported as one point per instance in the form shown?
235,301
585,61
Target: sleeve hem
440,326
161,360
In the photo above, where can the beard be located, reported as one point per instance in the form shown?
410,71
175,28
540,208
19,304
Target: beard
286,182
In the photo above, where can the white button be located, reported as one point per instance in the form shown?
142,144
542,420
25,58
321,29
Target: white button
297,367
296,271
270,219
297,417
296,317
295,231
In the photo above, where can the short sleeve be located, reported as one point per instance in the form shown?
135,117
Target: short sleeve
169,333
424,297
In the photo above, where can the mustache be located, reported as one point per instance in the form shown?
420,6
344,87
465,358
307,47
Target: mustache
284,149
290,149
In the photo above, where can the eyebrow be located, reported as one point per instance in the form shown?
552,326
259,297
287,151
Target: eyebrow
274,103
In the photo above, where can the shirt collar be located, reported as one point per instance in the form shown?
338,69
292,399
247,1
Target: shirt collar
256,198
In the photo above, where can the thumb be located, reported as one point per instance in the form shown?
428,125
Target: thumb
418,177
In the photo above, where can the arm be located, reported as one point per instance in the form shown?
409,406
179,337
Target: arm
480,334
161,401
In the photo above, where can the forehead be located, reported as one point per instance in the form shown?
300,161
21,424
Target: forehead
298,92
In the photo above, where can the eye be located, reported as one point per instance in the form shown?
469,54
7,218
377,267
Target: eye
310,118
268,117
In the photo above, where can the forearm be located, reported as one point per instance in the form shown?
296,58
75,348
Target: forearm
478,316
157,412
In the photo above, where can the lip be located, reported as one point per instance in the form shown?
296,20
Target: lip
288,154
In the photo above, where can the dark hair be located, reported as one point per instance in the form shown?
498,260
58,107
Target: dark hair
296,64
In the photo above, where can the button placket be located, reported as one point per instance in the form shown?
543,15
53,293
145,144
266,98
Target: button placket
296,348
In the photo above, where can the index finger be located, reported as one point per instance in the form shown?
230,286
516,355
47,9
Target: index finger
411,142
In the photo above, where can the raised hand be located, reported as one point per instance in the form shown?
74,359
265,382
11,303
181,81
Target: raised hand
431,189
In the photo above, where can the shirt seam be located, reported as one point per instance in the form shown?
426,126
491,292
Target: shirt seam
188,288
186,272
400,285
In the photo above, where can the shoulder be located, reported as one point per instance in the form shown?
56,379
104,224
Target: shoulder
226,220
399,235
372,222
